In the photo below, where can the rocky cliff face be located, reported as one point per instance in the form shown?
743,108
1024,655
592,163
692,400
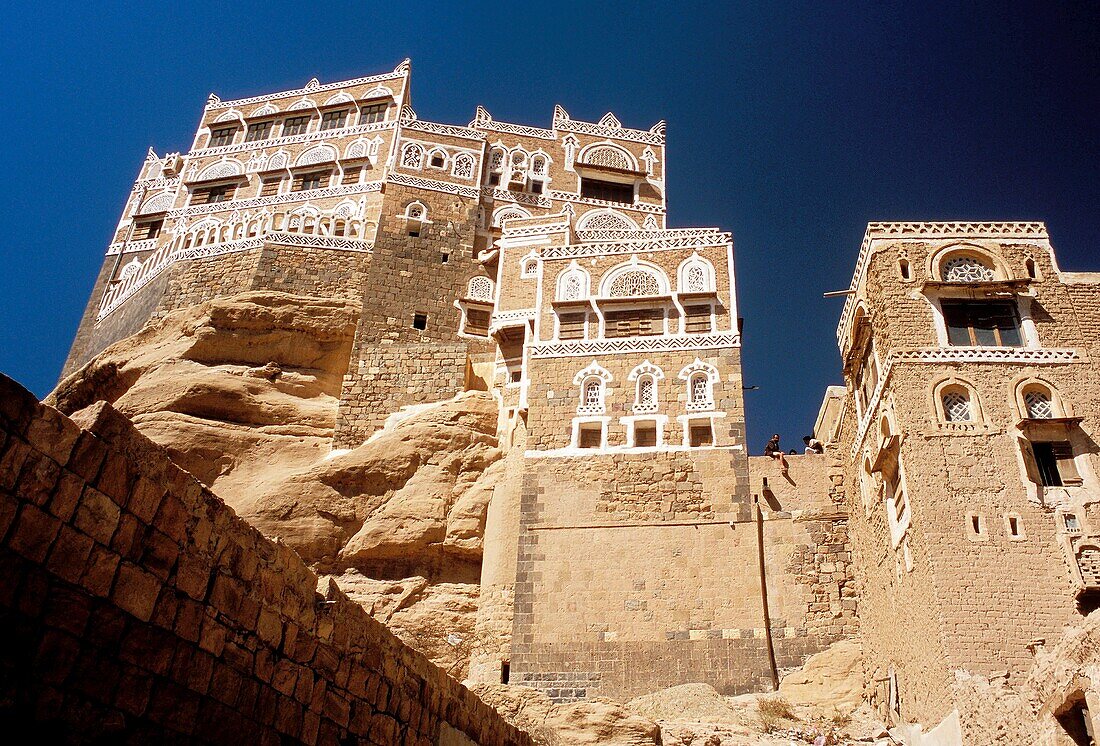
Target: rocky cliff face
243,393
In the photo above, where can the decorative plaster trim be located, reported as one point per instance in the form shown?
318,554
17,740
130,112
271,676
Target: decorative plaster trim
659,241
401,71
275,142
447,187
276,199
664,343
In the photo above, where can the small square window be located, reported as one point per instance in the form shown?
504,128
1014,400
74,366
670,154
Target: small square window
445,258
700,434
437,160
420,321
591,435
1072,523
645,434
1014,527
517,376
494,179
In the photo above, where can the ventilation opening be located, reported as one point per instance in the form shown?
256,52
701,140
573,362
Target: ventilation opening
437,161
505,672
446,257
1030,266
1088,602
1073,525
700,435
591,436
1013,526
420,321
903,267
645,436
414,230
1075,722
517,376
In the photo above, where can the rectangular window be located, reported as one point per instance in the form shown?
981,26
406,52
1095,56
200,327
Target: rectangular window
270,187
571,325
697,319
210,195
982,323
868,372
642,322
334,120
420,321
315,180
372,113
144,229
1055,464
295,126
258,131
590,435
700,434
645,434
222,136
537,186
1073,526
610,191
494,179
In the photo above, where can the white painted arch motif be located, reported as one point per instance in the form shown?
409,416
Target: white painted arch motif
605,219
634,278
317,154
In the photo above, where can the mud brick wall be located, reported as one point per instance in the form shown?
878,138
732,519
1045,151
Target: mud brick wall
389,377
136,607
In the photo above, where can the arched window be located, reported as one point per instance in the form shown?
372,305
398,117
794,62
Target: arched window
956,405
645,377
700,378
508,213
572,284
637,282
412,155
967,268
696,275
609,156
130,269
529,266
416,214
538,165
1032,270
463,166
480,288
605,220
496,160
437,158
1038,404
592,381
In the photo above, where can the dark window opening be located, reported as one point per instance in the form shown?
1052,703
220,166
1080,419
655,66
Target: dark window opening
446,257
372,113
982,323
591,436
270,187
645,435
258,131
1076,723
1013,526
1088,602
700,435
505,672
222,136
437,160
494,179
1054,464
414,229
538,186
420,321
697,320
517,376
477,322
609,191
144,229
976,523
210,195
903,266
334,120
295,126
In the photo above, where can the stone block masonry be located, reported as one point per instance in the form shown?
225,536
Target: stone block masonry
136,607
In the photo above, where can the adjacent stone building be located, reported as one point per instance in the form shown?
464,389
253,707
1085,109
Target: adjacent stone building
966,430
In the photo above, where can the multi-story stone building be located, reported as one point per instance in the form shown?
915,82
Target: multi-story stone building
967,428
536,263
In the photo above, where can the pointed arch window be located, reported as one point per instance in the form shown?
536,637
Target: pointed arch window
645,378
572,285
412,156
592,383
1038,404
634,283
463,166
700,378
956,406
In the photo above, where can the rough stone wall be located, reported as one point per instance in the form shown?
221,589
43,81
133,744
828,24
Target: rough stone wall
310,271
136,606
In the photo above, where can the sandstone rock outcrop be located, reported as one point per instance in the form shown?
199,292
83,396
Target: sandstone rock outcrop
243,391
831,678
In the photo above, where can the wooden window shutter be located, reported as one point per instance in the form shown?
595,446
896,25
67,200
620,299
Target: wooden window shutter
1067,467
1030,465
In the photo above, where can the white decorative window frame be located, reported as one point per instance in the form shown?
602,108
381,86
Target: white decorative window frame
695,260
688,373
573,270
529,265
634,265
643,371
594,372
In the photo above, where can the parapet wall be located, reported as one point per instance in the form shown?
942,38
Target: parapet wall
136,606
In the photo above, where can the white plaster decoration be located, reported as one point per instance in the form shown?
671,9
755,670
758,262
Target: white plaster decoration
608,155
276,199
646,376
700,378
570,143
634,345
225,168
574,197
157,203
650,223
695,275
407,115
435,128
340,98
437,154
230,116
480,288
525,198
357,149
278,160
132,247
483,121
379,91
463,166
539,165
431,184
130,269
509,212
266,110
610,120
605,220
634,283
562,122
529,265
318,154
416,210
666,240
1037,355
572,284
412,155
649,158
215,103
312,85
966,269
592,381
301,104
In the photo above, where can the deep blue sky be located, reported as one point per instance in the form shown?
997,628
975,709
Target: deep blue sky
791,124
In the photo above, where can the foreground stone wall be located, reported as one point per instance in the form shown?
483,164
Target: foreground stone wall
135,605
